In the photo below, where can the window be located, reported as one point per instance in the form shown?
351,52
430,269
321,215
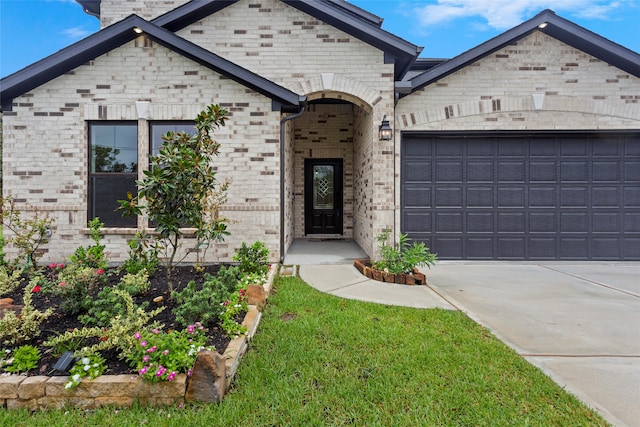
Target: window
113,170
160,128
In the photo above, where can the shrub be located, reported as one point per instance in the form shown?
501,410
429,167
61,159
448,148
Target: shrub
253,259
109,304
9,281
92,256
143,254
75,283
207,304
16,330
28,234
118,335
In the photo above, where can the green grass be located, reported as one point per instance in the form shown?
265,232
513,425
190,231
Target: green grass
322,360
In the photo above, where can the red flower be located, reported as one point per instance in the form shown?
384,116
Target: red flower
226,303
36,289
100,271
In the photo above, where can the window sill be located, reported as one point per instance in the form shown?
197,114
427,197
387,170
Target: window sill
130,231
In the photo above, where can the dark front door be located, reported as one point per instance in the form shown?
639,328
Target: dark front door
323,196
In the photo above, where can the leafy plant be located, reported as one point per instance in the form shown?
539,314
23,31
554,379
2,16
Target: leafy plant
402,257
92,366
9,281
207,304
92,256
143,254
161,356
25,358
236,304
75,284
109,304
253,259
28,235
174,191
16,329
118,335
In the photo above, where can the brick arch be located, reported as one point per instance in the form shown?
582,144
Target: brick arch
523,104
333,86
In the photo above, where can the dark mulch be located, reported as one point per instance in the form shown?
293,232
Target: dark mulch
61,322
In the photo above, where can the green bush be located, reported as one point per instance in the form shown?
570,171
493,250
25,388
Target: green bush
92,256
16,330
207,304
143,254
75,283
253,259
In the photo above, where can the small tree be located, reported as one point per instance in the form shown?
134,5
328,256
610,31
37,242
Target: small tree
28,233
175,190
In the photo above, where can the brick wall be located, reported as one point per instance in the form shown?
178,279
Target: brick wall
46,148
112,11
580,92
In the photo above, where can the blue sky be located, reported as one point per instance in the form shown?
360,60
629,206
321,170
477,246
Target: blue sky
33,29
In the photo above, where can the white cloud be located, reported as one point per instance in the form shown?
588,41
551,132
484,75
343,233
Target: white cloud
75,33
504,14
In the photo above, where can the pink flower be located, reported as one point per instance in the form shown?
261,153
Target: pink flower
63,283
226,303
161,371
142,371
60,265
165,352
156,331
171,376
189,372
52,265
36,289
143,343
137,335
152,349
191,328
145,358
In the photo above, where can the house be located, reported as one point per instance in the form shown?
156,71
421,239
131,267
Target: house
526,147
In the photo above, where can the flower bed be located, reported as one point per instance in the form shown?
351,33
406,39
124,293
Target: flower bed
44,392
365,268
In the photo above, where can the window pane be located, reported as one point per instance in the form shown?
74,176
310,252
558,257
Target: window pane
323,187
114,148
159,129
114,166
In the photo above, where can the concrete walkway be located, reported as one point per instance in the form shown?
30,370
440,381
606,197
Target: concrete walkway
578,322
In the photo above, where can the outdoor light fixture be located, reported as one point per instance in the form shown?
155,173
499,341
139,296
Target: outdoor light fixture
542,26
137,30
384,131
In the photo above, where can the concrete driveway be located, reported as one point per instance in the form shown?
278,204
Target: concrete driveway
578,322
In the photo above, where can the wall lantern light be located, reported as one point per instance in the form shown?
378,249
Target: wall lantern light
384,131
137,30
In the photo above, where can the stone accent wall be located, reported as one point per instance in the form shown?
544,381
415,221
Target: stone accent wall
112,11
46,142
324,131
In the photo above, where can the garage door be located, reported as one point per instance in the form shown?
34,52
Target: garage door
523,197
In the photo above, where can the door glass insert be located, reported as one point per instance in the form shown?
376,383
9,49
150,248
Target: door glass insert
323,187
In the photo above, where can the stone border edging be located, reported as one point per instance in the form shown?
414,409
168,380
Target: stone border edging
44,392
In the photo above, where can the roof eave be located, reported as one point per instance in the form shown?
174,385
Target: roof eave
189,13
120,33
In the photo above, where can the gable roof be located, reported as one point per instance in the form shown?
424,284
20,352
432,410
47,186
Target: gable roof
122,32
347,17
549,23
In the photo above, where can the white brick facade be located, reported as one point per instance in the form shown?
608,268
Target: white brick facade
45,136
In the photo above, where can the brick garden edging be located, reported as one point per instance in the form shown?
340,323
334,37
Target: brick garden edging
43,392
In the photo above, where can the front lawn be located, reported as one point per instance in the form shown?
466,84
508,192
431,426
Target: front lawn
322,360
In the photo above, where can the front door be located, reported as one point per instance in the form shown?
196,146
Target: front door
323,196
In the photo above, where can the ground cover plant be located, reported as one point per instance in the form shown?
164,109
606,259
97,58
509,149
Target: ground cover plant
322,360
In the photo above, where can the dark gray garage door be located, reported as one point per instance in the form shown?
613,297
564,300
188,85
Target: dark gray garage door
518,196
